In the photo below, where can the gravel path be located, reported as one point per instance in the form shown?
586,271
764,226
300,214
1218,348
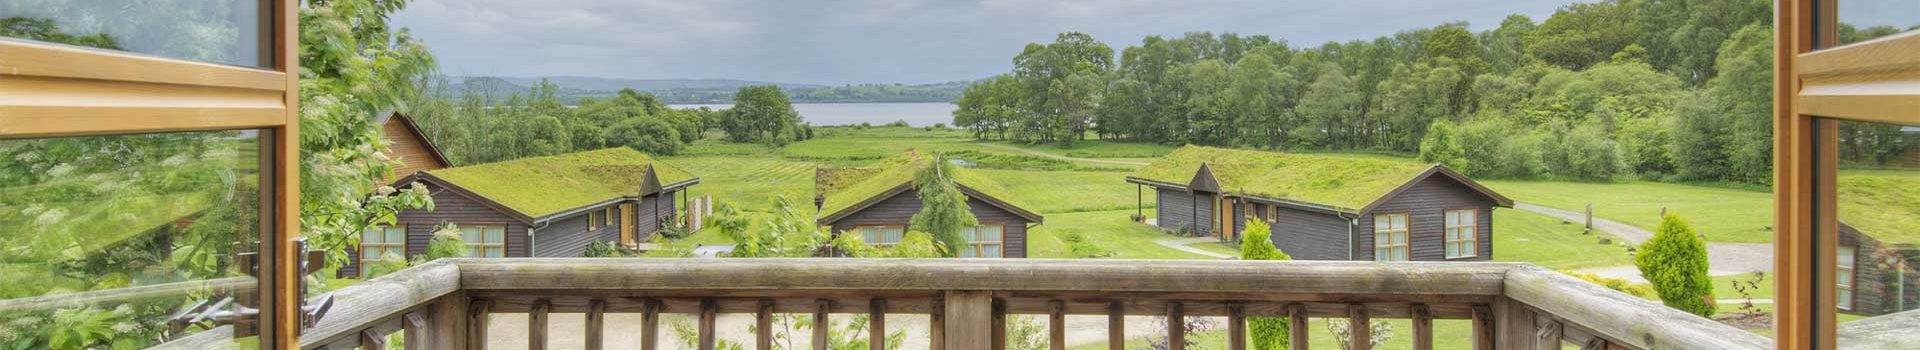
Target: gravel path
1061,157
1725,258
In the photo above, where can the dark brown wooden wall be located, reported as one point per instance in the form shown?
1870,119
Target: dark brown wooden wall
1303,235
1426,203
899,210
1872,292
450,207
1176,211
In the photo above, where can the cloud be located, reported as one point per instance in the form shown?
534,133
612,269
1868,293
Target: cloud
860,41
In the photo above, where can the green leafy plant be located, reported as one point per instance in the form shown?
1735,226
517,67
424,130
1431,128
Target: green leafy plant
446,243
943,209
1269,333
1078,246
1617,284
1675,261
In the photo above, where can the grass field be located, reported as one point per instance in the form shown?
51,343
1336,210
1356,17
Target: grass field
1549,242
1722,214
1113,230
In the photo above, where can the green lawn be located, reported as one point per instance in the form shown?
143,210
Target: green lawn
1072,191
1100,149
1722,214
1114,230
1550,242
1884,204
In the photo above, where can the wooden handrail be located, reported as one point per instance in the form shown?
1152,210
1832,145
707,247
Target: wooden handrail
1516,305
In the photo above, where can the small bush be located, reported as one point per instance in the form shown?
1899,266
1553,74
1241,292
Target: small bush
1269,333
1079,247
1675,260
1617,284
600,249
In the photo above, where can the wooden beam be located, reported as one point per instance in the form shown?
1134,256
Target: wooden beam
998,339
596,324
1513,324
937,324
877,325
416,330
1548,334
372,339
650,325
1297,318
1236,327
1057,325
1176,327
477,322
1612,315
1116,326
1422,328
449,322
709,331
1360,330
398,293
969,315
1483,331
821,324
537,326
763,326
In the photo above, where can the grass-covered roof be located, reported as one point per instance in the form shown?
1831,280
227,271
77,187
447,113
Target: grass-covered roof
1345,182
542,186
844,188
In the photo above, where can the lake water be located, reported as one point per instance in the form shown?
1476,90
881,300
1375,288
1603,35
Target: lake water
916,114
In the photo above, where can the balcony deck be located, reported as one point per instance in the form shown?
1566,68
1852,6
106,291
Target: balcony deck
445,304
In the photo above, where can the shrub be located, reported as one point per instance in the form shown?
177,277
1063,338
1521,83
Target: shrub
1443,145
1079,247
1675,260
1269,333
446,243
599,249
1616,284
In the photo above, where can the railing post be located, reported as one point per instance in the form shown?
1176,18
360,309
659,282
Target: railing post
477,315
1236,327
999,329
763,326
650,324
1548,335
1514,324
1360,331
596,324
1483,331
1116,326
709,332
1056,325
937,324
537,325
1176,326
969,315
1422,327
877,324
414,328
822,325
371,338
1297,318
447,327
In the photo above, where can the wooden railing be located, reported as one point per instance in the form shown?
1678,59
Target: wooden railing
446,304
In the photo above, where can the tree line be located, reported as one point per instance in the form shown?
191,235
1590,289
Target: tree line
1660,89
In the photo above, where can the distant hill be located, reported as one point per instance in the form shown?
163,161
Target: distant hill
705,91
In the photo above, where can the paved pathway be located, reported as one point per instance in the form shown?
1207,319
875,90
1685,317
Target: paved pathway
1181,244
1061,157
1724,258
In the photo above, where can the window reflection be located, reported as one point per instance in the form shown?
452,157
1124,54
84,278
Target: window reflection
1862,20
94,216
218,31
1878,189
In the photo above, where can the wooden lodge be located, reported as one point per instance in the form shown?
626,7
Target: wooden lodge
1875,277
550,206
878,201
1325,208
407,144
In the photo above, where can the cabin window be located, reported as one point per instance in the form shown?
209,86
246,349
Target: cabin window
593,221
1843,278
1273,214
1390,237
986,241
485,241
1463,233
611,218
881,235
377,242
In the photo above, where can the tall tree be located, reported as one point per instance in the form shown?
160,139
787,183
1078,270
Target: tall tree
762,114
1583,34
943,209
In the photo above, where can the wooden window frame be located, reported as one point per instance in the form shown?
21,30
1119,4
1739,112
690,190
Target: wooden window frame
1406,232
903,233
1845,267
979,247
1817,84
1473,236
383,245
610,217
593,220
50,90
481,247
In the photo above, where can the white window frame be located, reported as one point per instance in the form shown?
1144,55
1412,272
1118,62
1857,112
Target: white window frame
1844,277
1463,230
384,245
1385,252
478,248
979,246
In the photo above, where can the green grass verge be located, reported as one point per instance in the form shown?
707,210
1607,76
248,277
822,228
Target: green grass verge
1722,214
1113,230
1884,204
1524,236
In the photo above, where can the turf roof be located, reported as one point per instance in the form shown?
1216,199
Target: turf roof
842,188
1344,182
542,186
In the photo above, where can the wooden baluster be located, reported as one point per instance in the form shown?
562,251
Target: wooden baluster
877,324
447,323
1116,326
1513,324
1236,327
821,324
1056,325
477,324
709,333
1422,327
1297,316
414,328
999,327
372,339
1177,326
763,326
537,325
1483,331
596,323
1595,344
650,324
969,316
937,324
1361,330
1549,335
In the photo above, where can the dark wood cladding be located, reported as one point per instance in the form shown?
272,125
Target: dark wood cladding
1425,204
898,210
1303,235
451,207
569,236
1177,211
1875,288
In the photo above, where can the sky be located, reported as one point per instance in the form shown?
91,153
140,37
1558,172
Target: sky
872,41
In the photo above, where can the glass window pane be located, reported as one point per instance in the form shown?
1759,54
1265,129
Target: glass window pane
990,233
396,235
1862,20
991,250
496,234
217,31
1877,189
470,234
496,252
91,216
1380,223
